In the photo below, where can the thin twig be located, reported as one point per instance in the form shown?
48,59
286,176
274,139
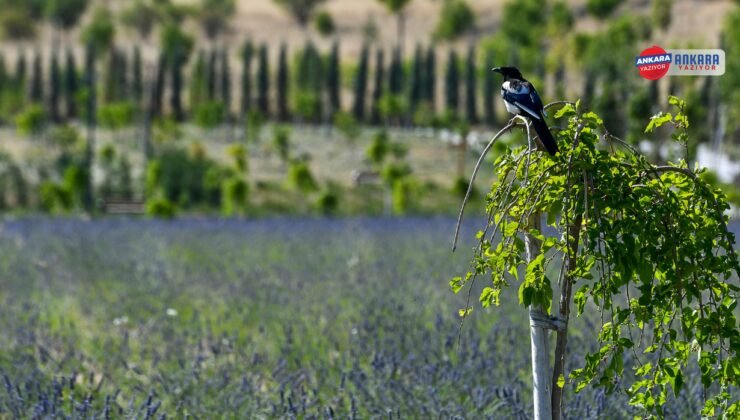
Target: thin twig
556,103
472,180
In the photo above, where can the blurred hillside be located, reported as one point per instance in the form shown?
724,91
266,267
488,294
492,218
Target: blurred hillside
692,22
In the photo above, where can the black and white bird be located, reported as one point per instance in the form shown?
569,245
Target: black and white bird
521,98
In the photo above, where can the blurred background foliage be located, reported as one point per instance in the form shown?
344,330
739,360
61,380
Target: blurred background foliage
149,80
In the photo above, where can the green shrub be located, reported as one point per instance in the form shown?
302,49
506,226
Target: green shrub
324,23
17,24
76,181
180,176
460,188
213,181
117,115
378,149
100,31
281,142
456,18
107,155
328,202
392,106
255,122
602,8
393,173
160,207
65,136
347,124
54,197
31,121
65,13
210,114
235,194
12,101
301,178
307,104
239,154
402,191
176,43
662,13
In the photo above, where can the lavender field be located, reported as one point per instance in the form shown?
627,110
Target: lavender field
280,318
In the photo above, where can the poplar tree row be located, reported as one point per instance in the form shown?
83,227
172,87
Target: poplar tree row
306,86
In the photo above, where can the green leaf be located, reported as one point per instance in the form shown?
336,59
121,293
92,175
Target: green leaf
677,383
554,211
565,111
465,312
658,120
456,284
487,296
561,381
593,118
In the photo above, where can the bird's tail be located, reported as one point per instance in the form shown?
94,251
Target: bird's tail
543,132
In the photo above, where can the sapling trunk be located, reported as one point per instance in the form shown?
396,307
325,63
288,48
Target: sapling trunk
566,292
541,384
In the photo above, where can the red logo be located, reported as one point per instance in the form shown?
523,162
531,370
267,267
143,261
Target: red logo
653,62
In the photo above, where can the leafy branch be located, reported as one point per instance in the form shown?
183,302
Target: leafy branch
645,246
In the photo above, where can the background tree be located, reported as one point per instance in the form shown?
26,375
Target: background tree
417,83
211,75
100,31
360,85
115,78
64,14
137,77
37,80
324,23
246,93
176,62
198,89
263,82
308,95
91,113
158,89
602,8
55,88
141,16
226,82
334,80
456,18
397,7
214,16
452,83
490,91
282,84
21,70
300,10
430,90
730,82
471,87
17,24
378,87
395,77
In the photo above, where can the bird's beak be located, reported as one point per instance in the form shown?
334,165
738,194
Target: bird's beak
497,69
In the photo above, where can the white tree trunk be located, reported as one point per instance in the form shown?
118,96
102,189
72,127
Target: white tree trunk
541,376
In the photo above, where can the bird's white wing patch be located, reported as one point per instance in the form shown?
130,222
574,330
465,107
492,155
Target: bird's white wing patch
527,110
516,88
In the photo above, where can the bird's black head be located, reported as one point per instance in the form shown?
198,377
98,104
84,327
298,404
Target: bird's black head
509,72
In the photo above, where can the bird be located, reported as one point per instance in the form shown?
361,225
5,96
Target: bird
521,98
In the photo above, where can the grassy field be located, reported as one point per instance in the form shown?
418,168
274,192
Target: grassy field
279,318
